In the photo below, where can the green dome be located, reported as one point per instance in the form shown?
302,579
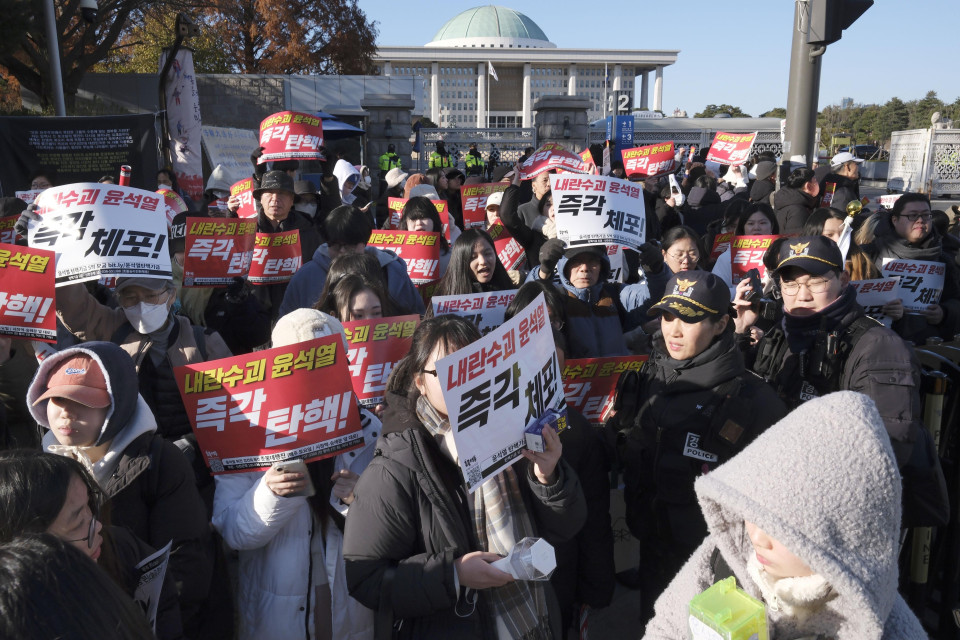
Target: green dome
490,22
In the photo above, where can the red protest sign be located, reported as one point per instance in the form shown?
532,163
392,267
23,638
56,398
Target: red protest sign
396,212
375,346
276,257
419,249
174,203
291,135
731,148
217,250
649,160
8,235
509,251
721,242
244,191
27,308
589,384
474,200
290,402
746,252
552,156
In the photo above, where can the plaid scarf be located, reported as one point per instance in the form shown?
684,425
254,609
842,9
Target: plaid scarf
500,518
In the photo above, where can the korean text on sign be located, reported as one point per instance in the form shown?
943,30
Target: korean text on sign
746,252
290,135
100,230
474,200
590,383
509,250
276,257
375,346
872,295
27,307
598,210
485,310
217,250
243,190
396,212
420,250
8,235
921,282
731,148
497,386
649,160
552,156
289,402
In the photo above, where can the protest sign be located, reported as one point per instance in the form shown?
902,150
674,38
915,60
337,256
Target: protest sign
419,249
374,347
291,135
509,250
746,252
244,191
731,148
217,250
589,384
587,157
152,570
173,202
101,230
872,295
721,242
230,149
549,157
618,271
289,402
396,212
27,301
474,200
921,282
8,234
276,257
485,310
598,210
29,196
649,160
829,189
887,200
491,399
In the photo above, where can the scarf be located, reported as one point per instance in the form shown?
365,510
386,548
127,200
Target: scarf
802,330
891,245
797,598
500,519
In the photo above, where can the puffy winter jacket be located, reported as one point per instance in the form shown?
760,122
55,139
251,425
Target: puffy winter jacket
793,207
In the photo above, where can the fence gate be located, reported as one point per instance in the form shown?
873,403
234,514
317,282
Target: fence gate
925,160
508,144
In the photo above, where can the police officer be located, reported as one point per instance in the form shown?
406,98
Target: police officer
693,406
389,160
828,344
473,161
440,157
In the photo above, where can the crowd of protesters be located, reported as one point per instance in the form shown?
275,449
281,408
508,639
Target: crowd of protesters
773,434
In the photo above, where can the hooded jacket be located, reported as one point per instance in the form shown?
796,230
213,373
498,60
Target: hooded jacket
761,191
342,171
148,482
796,483
793,207
410,516
307,284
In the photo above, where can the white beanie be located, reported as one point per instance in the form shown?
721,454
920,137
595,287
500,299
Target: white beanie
301,325
425,190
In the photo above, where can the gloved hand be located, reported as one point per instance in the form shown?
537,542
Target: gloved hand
651,257
23,222
235,290
550,254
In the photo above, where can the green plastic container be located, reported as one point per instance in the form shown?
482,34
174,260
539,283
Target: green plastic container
724,612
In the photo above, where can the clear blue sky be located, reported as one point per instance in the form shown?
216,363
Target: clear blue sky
732,52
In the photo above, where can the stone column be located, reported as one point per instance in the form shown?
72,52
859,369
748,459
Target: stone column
387,69
397,109
617,77
527,114
482,88
645,90
572,81
435,93
561,116
658,90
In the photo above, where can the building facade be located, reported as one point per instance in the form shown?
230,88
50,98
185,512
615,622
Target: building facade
487,66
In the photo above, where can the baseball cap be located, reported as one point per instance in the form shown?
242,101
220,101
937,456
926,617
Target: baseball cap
80,379
816,255
843,158
693,296
495,199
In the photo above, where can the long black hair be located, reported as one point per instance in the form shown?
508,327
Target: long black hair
763,208
450,331
458,279
419,208
337,303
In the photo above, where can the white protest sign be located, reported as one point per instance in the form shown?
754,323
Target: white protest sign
102,230
618,265
152,570
921,281
491,398
872,295
598,210
231,149
485,310
29,196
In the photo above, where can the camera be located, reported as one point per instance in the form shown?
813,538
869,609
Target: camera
89,10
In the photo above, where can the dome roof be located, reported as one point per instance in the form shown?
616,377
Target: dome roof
491,26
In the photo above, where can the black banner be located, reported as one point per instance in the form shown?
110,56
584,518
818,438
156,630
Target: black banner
77,149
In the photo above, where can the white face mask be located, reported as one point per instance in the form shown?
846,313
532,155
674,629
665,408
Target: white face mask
147,318
307,208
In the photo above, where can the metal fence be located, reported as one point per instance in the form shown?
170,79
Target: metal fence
506,145
926,160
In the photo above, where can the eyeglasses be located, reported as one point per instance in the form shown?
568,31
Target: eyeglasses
128,300
432,372
689,256
91,531
912,217
813,285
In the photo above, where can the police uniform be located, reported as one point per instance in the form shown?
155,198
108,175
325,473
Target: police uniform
473,163
438,159
388,160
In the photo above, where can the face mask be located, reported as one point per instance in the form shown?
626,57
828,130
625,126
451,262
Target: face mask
147,318
366,179
309,209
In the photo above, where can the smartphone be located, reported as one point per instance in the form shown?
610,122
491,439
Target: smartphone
296,466
755,285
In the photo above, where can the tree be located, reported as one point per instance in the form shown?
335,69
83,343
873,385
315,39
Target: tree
712,110
293,36
895,116
923,109
776,112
